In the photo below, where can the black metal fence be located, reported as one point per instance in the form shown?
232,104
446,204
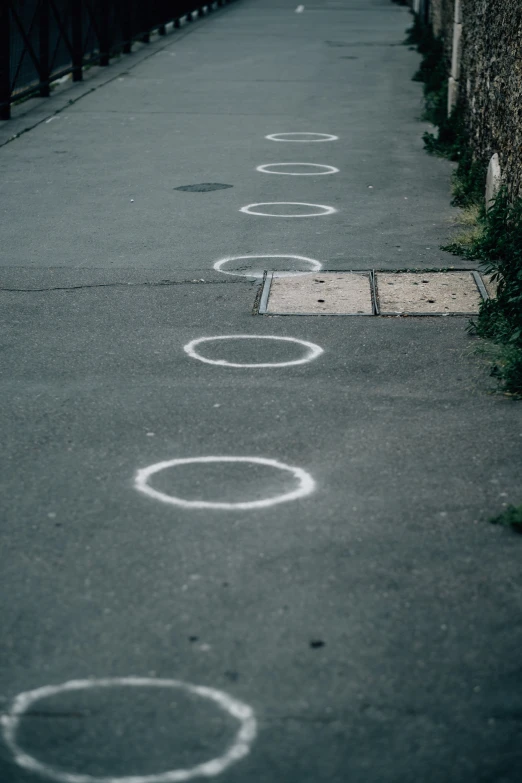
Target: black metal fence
42,40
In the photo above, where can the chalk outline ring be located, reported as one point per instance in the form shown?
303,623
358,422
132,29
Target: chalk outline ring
313,350
327,210
325,137
306,484
239,748
325,169
316,266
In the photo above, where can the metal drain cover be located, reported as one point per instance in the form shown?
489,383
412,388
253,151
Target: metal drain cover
203,187
428,293
318,293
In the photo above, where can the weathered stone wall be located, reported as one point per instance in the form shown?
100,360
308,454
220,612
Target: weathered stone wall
489,74
441,17
491,83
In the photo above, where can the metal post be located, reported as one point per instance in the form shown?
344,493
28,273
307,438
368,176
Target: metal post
125,11
43,49
145,24
104,34
77,43
160,16
5,56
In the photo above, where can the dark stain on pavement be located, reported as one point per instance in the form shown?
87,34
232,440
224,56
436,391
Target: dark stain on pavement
203,187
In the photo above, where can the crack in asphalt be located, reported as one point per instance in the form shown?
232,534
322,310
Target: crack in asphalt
49,714
127,285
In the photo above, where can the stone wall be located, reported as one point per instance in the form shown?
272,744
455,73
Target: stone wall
491,83
441,16
486,71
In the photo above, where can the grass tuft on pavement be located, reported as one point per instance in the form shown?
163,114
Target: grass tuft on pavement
511,517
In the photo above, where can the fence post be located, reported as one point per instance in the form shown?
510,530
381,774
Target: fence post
77,43
104,34
145,23
161,16
5,55
43,48
126,11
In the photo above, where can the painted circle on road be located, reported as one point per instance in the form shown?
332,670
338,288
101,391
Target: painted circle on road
267,168
239,748
312,350
306,484
320,209
305,137
315,266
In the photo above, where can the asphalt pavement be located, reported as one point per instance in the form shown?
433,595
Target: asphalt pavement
338,599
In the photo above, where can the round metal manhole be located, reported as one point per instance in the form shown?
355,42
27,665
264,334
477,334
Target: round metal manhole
203,187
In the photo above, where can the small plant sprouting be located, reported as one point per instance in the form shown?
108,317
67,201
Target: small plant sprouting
511,517
497,242
493,237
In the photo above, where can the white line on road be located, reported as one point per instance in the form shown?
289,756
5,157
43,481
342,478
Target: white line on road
299,9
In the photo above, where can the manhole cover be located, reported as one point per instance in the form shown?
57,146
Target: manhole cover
203,187
318,293
428,293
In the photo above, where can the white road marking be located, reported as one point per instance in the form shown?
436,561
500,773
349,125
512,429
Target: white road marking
299,9
319,136
239,748
265,169
326,210
315,265
306,484
313,350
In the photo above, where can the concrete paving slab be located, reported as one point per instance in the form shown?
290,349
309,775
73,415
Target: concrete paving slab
427,293
323,293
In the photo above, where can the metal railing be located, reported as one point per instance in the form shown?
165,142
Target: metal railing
43,40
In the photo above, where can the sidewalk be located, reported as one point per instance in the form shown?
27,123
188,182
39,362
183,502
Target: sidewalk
372,624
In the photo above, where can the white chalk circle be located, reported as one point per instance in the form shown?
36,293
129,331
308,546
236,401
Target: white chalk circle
239,748
312,350
320,209
304,137
306,483
268,168
315,266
